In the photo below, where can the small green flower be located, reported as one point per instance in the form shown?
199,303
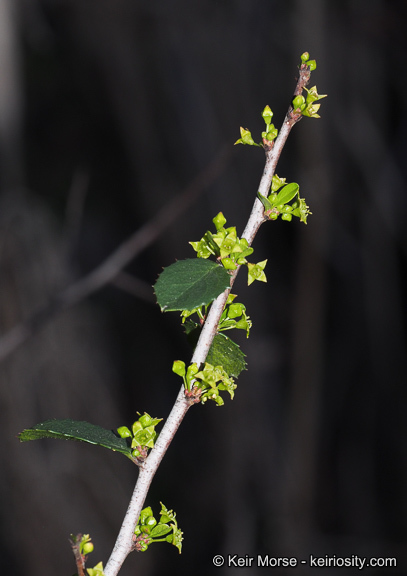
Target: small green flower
97,570
256,272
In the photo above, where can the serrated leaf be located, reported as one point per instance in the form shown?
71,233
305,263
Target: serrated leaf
223,352
77,430
190,283
226,353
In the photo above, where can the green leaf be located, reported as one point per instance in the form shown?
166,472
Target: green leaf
287,193
76,430
160,530
226,353
187,284
266,203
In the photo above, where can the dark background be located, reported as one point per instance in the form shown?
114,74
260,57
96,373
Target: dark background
108,111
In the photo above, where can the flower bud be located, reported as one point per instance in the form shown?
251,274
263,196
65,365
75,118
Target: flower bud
124,432
267,115
87,548
299,102
311,64
145,420
229,264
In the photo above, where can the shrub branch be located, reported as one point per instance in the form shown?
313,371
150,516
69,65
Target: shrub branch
149,467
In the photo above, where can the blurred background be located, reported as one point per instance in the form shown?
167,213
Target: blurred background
117,124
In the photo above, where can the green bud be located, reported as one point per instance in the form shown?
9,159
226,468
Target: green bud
144,514
276,184
191,371
304,57
299,102
288,217
124,432
136,453
236,310
87,548
267,115
136,427
145,420
246,137
311,64
272,133
219,221
229,264
151,522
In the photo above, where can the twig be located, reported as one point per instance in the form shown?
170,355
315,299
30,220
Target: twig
111,267
123,544
79,558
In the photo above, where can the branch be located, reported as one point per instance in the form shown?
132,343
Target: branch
111,267
148,469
